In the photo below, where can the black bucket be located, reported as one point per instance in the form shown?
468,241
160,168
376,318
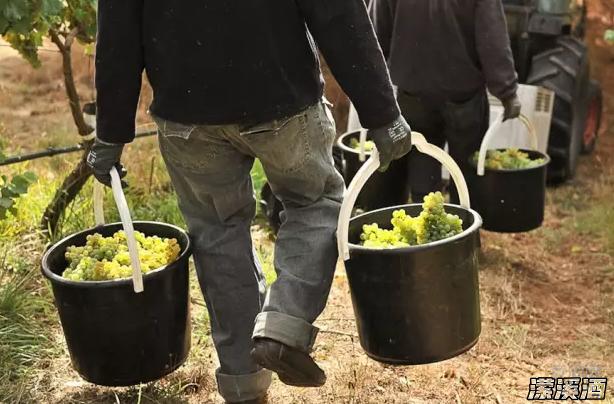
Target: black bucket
389,188
510,201
420,304
117,337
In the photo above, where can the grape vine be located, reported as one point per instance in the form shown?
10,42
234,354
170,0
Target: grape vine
25,24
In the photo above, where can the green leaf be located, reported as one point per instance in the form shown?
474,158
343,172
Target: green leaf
4,179
29,176
7,192
22,26
4,23
37,38
89,49
52,6
18,185
16,9
6,203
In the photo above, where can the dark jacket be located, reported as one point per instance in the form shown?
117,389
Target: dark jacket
446,49
234,61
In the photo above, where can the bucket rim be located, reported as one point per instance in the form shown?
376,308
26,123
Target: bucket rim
475,226
55,278
545,156
345,147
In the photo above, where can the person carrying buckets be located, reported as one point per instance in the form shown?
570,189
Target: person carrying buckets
442,55
233,81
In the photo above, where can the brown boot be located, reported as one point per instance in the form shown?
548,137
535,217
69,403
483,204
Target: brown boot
294,367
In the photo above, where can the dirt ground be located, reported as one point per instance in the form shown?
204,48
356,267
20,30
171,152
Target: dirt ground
547,297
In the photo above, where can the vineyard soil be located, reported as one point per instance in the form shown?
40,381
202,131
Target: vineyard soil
547,296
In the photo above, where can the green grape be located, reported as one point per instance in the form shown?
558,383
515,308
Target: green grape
405,225
107,258
508,159
355,144
433,224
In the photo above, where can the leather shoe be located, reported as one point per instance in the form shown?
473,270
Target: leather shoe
294,367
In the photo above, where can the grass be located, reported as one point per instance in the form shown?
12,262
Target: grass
23,339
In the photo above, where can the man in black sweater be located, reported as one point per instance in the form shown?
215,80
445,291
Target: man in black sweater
442,55
236,80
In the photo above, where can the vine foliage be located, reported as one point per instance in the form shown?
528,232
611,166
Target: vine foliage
25,24
13,188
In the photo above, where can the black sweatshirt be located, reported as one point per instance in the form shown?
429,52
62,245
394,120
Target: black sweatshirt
446,49
234,61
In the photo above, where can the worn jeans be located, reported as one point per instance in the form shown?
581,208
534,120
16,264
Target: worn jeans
462,123
209,167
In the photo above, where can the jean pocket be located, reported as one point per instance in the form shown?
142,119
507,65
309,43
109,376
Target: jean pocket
281,144
173,129
184,148
267,127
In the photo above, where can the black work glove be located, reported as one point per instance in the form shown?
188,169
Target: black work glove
104,156
511,108
393,141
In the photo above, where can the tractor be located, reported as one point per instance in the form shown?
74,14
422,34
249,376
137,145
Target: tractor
546,38
547,43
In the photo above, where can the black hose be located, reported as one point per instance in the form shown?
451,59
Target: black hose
54,151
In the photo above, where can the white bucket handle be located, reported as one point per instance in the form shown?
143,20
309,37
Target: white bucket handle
491,132
124,213
371,166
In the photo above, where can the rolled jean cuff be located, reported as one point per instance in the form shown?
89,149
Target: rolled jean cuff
291,331
239,388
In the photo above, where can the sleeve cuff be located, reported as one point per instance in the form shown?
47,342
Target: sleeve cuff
378,119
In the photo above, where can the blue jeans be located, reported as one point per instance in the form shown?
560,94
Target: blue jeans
210,169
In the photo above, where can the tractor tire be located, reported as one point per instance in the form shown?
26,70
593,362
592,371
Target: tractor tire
593,119
565,70
272,207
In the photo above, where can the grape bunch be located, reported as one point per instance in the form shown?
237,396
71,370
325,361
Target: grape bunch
107,258
433,224
373,236
355,144
508,159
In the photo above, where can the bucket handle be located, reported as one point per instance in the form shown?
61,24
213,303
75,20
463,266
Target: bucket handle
124,213
367,169
361,150
491,132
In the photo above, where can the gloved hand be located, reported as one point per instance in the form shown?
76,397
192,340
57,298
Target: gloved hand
393,141
102,157
511,108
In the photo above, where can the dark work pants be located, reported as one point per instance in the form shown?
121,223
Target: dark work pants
462,124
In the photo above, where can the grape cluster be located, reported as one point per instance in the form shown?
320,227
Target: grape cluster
375,237
107,258
355,144
508,159
433,224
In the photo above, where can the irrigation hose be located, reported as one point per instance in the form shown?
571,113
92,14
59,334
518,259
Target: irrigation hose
54,151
